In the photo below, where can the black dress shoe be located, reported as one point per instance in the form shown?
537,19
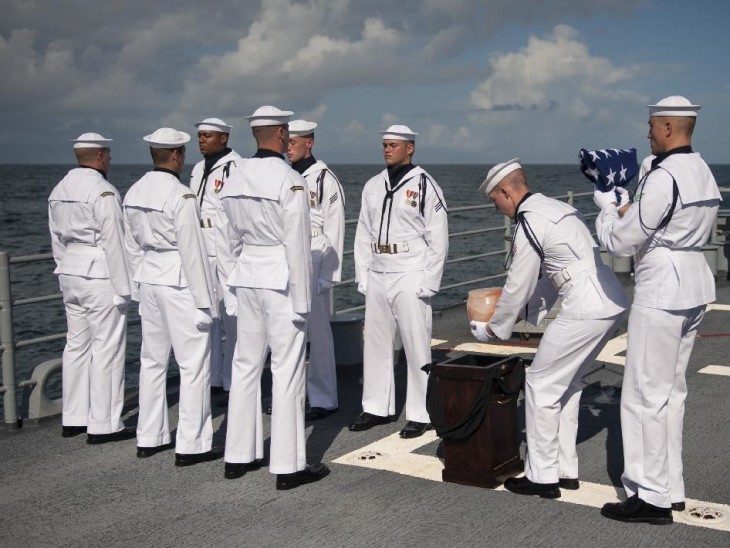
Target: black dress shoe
316,413
365,421
569,483
309,475
188,459
71,431
217,390
123,434
144,452
523,486
414,429
234,470
635,510
678,506
222,400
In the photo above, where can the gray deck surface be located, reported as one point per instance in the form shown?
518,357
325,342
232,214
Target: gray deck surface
63,492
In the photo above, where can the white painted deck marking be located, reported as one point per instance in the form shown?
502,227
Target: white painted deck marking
722,370
395,454
720,307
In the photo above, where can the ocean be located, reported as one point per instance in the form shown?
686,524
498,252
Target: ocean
24,231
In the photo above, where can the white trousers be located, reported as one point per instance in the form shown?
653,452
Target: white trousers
168,323
265,321
93,359
553,386
391,307
652,401
221,353
322,370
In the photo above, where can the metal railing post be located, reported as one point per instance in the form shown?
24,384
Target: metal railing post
570,197
7,345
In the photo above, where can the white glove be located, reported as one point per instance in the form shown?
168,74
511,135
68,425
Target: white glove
603,199
203,319
324,285
121,301
232,310
479,330
623,195
362,288
298,318
425,293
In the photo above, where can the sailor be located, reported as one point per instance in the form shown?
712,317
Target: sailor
167,255
401,245
553,255
87,239
207,180
263,246
665,227
327,213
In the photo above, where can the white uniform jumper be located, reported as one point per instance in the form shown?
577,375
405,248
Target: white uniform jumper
207,187
673,286
327,214
87,238
263,250
554,255
167,255
401,245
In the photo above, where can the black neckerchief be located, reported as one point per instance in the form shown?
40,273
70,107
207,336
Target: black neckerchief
101,171
517,209
687,149
396,173
300,166
212,159
266,153
165,170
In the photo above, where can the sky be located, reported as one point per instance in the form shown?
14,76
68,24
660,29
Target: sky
480,81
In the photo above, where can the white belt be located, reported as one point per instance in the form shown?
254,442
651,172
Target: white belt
316,231
87,249
207,223
391,249
566,274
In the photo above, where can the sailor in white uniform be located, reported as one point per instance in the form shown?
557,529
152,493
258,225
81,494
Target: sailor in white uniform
401,244
264,253
327,214
665,227
169,261
206,181
553,255
87,239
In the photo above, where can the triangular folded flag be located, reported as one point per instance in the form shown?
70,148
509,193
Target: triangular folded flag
608,167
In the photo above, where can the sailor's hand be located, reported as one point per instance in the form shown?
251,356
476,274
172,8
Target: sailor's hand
623,196
362,288
203,319
232,310
324,285
480,331
121,301
603,199
424,293
298,318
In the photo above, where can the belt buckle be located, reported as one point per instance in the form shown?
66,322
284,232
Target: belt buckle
384,249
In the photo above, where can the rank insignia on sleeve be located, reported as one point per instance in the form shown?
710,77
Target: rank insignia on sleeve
217,186
188,195
296,187
333,198
107,193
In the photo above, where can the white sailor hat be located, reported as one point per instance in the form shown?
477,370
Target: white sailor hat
675,105
213,124
269,116
91,140
166,137
399,133
499,172
300,128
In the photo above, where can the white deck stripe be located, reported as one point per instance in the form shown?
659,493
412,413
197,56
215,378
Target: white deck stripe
395,454
720,307
722,370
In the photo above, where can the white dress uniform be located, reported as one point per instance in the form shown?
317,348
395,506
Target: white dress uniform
167,255
673,286
401,244
554,255
327,214
207,187
85,221
263,242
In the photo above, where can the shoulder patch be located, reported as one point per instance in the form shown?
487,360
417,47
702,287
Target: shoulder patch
189,195
296,187
107,193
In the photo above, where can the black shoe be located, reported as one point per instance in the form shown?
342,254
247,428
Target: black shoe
635,510
123,434
144,452
188,459
523,486
316,413
217,390
678,506
569,483
234,470
365,421
222,400
309,475
414,429
71,431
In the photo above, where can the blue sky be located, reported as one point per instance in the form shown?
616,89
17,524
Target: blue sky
480,81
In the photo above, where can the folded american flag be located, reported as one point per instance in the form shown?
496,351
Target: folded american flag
608,167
